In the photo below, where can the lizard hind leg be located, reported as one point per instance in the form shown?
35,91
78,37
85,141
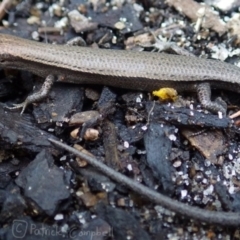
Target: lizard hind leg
47,85
204,95
37,96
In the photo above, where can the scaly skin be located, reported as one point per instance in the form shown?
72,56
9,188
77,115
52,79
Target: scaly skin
125,69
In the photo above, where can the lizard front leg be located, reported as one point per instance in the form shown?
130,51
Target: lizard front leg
204,96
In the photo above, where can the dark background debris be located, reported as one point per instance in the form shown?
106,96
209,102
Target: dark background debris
158,147
44,183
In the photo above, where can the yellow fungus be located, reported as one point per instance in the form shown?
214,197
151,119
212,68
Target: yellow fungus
166,94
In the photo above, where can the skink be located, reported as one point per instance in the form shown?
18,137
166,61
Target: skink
125,69
132,70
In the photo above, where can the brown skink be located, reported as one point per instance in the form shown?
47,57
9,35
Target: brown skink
125,69
132,70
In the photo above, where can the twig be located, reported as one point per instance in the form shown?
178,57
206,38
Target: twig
212,217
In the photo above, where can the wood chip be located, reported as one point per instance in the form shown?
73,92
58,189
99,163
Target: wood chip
211,143
191,9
